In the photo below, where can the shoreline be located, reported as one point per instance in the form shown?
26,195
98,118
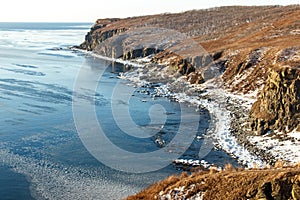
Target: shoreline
236,126
228,110
221,130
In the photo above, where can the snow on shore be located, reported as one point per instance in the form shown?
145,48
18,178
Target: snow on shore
221,131
214,100
221,119
281,149
287,150
136,63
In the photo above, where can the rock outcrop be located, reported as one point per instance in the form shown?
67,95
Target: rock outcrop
274,72
100,33
278,104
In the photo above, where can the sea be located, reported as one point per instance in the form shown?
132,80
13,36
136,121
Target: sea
70,128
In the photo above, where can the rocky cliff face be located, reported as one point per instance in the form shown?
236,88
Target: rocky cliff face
256,49
278,104
100,33
274,72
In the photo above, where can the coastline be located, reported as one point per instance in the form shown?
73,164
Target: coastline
230,113
230,131
232,134
221,129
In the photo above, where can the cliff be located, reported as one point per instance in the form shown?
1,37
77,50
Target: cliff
256,49
278,104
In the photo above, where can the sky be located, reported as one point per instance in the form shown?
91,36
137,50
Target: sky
90,10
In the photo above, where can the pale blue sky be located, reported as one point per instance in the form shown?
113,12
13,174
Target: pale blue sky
90,10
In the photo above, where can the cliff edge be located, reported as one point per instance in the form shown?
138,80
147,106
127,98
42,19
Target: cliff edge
256,48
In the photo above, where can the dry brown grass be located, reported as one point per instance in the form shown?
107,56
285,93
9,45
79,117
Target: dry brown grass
199,22
228,184
279,164
276,30
229,168
151,191
229,27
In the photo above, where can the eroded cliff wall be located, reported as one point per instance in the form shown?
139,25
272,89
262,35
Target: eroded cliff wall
278,104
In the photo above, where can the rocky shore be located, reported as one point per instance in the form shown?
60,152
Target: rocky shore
244,68
258,54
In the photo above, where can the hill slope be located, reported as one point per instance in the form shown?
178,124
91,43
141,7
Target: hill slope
250,43
281,184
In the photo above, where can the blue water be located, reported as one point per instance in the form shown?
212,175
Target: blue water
21,26
42,155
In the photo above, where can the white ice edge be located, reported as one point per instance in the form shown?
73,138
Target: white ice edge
226,141
220,116
281,150
136,63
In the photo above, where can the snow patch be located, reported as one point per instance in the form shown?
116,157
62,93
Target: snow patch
285,150
193,163
294,134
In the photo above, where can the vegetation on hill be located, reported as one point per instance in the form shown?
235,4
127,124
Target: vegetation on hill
257,184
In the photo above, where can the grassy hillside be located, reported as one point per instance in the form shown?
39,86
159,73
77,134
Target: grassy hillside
264,184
